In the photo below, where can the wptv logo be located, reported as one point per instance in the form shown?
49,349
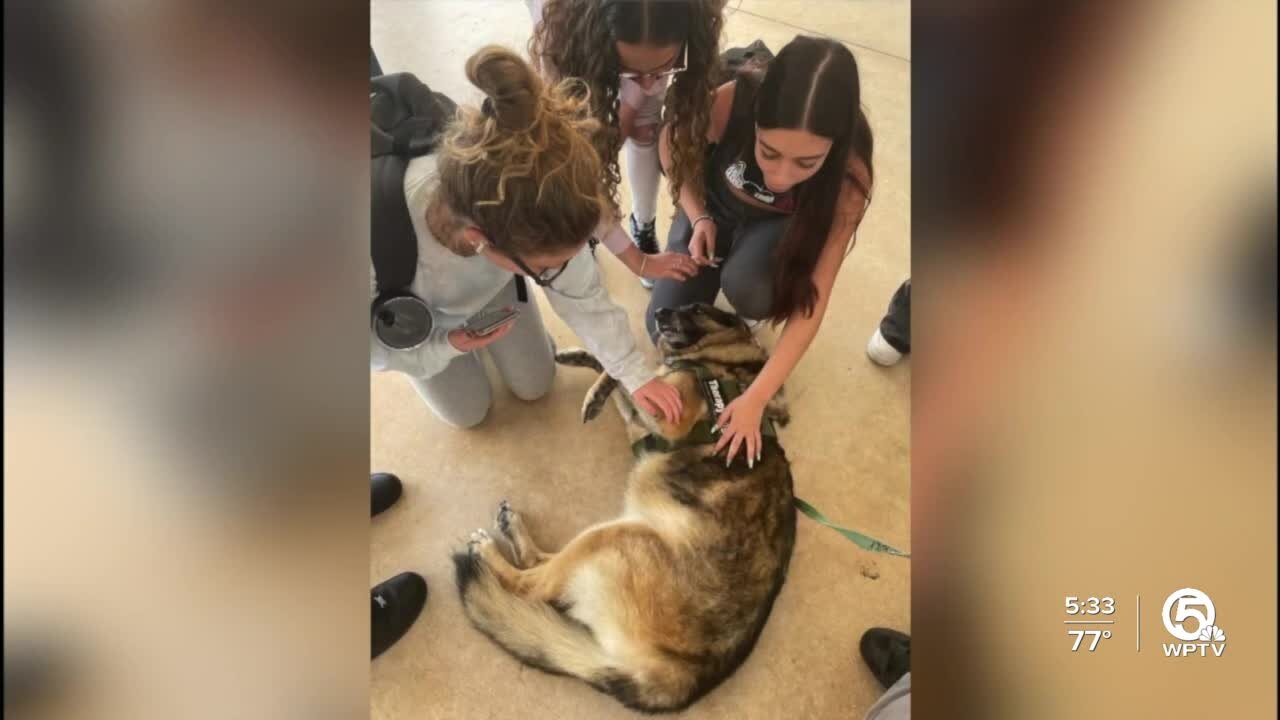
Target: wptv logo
1189,616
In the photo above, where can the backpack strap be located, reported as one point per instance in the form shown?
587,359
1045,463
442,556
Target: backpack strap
406,120
393,241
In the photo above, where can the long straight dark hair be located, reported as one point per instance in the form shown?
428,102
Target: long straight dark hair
812,85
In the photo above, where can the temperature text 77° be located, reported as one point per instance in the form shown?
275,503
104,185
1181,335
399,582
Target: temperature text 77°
1098,635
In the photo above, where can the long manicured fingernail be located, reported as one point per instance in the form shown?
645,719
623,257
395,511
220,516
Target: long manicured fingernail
751,464
727,461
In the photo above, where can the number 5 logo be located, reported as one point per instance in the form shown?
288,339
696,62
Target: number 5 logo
1184,603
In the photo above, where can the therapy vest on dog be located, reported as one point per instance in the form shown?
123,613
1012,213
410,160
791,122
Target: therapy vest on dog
718,393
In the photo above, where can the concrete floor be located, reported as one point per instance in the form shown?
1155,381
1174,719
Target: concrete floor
849,440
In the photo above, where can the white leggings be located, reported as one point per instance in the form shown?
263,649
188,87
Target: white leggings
642,174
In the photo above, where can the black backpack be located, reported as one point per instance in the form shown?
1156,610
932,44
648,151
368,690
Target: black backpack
743,59
407,120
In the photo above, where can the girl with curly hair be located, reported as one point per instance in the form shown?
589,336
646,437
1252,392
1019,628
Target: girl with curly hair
644,63
787,182
514,189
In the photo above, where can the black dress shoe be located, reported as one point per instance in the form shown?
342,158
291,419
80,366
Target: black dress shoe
887,653
396,605
386,491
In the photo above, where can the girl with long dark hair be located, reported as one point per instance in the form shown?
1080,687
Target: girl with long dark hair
787,182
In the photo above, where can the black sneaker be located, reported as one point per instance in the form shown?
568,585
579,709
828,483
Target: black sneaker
36,672
645,237
386,491
396,605
887,654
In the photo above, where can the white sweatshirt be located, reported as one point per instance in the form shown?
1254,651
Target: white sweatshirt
456,288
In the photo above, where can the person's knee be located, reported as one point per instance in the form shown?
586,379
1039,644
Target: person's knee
537,386
465,419
751,297
462,413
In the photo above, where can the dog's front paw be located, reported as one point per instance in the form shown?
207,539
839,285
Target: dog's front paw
576,357
597,396
505,518
592,407
478,541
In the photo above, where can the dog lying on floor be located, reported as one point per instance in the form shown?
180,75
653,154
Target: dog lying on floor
662,604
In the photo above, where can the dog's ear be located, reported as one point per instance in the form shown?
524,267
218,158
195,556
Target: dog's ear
776,410
597,396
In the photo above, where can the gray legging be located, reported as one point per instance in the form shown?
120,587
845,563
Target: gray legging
460,394
745,251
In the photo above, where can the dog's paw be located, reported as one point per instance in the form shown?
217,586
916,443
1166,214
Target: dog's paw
592,407
576,357
597,396
478,540
778,411
505,518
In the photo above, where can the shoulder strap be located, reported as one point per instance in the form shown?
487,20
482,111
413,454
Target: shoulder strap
740,128
393,242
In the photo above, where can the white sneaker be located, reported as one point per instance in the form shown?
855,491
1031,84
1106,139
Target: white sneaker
881,352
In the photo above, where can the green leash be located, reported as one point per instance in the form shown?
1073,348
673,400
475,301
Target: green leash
719,393
866,542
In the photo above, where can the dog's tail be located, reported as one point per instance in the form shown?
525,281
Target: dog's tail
540,636
600,391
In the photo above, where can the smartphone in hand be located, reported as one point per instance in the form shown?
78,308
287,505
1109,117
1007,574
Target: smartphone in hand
489,321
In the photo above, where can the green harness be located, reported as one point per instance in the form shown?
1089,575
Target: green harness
719,393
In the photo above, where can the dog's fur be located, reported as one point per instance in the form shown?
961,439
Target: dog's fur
659,606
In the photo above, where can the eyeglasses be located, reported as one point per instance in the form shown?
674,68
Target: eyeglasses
638,76
542,279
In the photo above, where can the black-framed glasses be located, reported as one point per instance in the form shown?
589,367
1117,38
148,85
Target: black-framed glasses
679,68
541,279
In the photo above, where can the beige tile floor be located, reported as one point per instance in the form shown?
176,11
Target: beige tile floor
849,440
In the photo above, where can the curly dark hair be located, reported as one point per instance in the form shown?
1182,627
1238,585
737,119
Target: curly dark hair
575,38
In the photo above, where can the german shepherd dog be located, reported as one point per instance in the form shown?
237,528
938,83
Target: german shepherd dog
660,605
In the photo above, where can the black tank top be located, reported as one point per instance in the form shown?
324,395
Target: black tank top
732,163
